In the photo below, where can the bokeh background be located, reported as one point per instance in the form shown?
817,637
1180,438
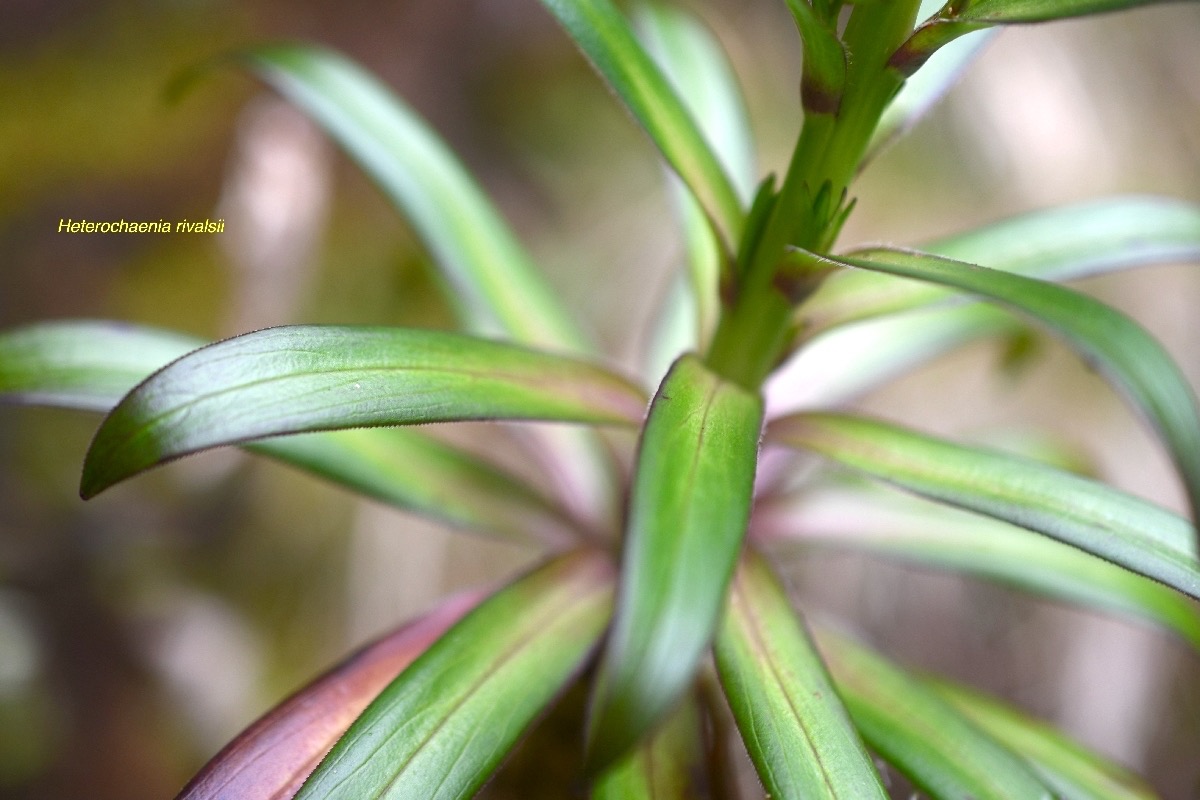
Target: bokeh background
139,631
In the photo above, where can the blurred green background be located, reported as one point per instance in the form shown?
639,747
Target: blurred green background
139,631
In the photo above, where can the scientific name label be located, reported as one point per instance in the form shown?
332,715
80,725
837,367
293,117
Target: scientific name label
133,226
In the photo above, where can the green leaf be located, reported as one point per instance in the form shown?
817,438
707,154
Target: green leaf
1058,244
441,728
1070,769
603,35
869,327
88,365
92,365
696,66
1086,238
959,17
1008,11
491,277
307,378
891,525
924,737
693,61
689,505
1115,345
662,768
796,730
273,756
1088,515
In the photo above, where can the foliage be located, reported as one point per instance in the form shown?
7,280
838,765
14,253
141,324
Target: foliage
432,710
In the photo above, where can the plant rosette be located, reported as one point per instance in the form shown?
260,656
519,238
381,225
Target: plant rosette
674,615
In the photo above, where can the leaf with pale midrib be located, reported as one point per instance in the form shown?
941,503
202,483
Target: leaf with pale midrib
308,378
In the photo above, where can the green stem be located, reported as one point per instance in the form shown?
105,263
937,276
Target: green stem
756,324
750,337
873,32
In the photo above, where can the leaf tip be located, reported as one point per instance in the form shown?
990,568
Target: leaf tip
106,463
93,479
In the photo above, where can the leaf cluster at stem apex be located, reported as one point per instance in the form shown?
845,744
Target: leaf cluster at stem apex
756,327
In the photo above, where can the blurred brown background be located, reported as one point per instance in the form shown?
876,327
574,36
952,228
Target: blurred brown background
140,631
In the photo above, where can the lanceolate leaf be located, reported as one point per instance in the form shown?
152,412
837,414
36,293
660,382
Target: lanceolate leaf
84,364
92,365
308,378
663,768
1091,516
1071,770
696,66
1118,347
1058,244
271,758
891,525
692,60
796,730
604,36
490,275
441,728
688,510
924,737
963,16
491,278
1087,238
1005,11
